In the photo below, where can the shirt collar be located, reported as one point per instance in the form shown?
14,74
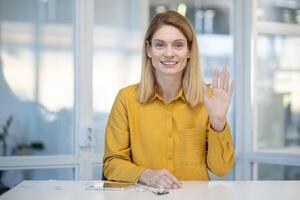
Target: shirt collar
180,94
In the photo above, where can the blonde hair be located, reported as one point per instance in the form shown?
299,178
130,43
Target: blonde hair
192,81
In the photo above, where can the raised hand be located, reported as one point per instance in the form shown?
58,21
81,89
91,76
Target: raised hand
159,179
217,104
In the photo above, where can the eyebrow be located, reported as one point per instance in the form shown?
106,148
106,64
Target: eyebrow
178,40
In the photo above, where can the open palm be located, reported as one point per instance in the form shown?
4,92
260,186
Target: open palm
217,103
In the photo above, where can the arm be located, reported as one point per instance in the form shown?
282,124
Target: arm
117,163
220,150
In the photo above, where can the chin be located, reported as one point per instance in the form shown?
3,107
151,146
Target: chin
173,70
170,71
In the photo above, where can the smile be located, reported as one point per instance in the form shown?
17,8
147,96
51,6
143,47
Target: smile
169,63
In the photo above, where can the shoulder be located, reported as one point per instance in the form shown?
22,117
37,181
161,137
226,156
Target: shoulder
129,90
128,93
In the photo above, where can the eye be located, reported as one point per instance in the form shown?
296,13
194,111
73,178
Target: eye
178,45
159,45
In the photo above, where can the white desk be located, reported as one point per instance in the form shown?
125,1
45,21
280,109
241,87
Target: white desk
213,190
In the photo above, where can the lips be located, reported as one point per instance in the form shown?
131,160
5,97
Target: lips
169,63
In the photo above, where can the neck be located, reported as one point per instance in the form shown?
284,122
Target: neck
169,86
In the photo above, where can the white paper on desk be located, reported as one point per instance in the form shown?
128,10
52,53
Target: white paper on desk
95,186
54,185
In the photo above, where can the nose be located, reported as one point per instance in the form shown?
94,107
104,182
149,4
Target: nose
169,51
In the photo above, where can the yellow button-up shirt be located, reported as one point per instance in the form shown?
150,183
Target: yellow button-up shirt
156,135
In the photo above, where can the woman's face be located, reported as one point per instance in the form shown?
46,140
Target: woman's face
168,51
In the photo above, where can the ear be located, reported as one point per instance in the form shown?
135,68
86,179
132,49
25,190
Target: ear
189,54
148,51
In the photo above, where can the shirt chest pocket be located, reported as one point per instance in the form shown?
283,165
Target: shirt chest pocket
192,146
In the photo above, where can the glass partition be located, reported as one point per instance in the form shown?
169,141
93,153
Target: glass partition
282,11
277,172
36,77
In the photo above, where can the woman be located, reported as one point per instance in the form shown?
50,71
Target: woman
170,126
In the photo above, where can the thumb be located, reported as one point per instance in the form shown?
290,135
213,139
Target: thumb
205,91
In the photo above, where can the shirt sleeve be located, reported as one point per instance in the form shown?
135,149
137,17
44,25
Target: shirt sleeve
117,162
220,151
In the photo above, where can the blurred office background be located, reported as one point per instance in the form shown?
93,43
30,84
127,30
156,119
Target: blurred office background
62,63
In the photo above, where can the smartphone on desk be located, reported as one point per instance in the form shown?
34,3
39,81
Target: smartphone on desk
110,185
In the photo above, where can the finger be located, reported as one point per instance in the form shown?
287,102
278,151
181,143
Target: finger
168,181
222,77
175,183
162,184
171,183
155,184
226,80
231,88
173,178
154,181
216,78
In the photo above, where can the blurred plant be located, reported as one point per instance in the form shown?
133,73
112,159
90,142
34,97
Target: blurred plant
3,137
34,146
4,134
